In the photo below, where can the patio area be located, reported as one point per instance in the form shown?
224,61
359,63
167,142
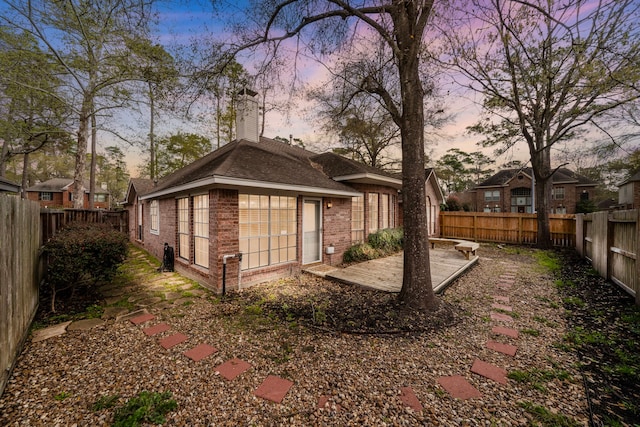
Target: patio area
385,274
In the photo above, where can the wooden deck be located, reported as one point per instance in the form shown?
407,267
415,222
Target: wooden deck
386,273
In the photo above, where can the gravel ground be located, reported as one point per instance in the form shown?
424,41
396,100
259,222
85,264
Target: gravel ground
57,381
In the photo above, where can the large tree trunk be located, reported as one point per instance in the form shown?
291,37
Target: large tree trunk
92,169
81,152
153,163
417,291
25,176
541,164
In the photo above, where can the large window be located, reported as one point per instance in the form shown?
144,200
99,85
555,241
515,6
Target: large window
373,212
357,219
521,200
268,229
183,228
201,230
100,197
46,196
392,212
155,217
385,211
557,193
492,196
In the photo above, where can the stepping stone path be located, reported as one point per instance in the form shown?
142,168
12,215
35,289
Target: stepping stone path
458,386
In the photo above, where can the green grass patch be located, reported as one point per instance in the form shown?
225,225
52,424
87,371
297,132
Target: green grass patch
549,260
145,408
532,332
574,301
546,418
62,396
537,378
105,402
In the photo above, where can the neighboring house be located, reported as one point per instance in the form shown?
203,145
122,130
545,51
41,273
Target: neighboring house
281,206
57,193
629,193
512,190
7,186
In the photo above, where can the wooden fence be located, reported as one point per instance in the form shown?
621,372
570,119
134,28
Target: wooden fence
610,241
506,227
20,274
54,220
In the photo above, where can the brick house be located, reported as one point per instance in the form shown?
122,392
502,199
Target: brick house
281,206
629,193
57,193
511,190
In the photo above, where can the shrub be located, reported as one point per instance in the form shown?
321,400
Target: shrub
380,244
144,408
388,240
83,254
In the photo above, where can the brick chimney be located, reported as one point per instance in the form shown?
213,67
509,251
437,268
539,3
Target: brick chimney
247,116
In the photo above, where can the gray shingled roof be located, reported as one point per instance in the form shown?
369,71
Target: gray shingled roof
6,185
562,175
268,161
634,178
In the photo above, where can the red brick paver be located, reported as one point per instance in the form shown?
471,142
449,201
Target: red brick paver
501,307
157,329
500,330
200,352
457,386
502,317
502,348
142,318
504,286
232,368
273,388
501,298
409,398
490,371
173,340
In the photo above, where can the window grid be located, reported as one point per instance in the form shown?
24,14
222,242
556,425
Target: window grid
155,216
557,193
392,212
492,196
268,229
357,219
201,230
385,211
183,228
373,212
48,197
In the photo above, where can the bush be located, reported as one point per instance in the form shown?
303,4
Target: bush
144,408
83,254
380,244
388,240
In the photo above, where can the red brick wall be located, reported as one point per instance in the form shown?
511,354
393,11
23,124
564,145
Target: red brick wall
336,225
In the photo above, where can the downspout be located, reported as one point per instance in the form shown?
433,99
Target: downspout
224,270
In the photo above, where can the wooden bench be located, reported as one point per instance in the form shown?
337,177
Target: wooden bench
465,247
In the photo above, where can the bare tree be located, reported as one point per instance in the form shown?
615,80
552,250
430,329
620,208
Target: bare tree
321,27
547,69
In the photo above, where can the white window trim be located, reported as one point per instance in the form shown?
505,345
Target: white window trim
154,206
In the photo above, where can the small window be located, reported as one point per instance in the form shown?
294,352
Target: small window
100,197
373,212
154,211
357,219
492,196
45,196
557,193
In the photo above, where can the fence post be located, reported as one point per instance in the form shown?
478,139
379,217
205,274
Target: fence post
637,251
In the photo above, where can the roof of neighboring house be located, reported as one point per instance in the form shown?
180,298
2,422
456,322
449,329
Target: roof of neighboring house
562,175
10,186
634,178
58,185
268,164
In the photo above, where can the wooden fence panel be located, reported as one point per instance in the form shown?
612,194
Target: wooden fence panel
599,246
19,276
505,227
623,250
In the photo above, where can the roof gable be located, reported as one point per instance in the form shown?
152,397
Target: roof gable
561,176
